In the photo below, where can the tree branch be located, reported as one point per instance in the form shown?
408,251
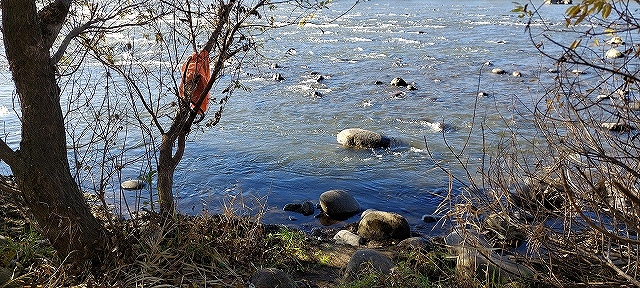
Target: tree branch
8,155
51,19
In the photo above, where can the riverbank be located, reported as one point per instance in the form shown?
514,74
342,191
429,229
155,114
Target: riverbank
222,250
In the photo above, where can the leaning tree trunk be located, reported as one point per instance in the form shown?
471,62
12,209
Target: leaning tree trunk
40,165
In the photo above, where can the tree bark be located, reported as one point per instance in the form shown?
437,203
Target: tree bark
41,166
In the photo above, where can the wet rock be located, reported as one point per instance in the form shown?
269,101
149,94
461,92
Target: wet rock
319,78
275,66
410,87
360,138
483,94
132,185
398,82
617,126
498,71
516,74
613,53
552,70
428,218
347,238
380,225
338,204
306,208
616,40
316,94
366,260
277,77
578,72
488,63
378,82
271,278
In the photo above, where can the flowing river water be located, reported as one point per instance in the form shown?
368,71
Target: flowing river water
277,141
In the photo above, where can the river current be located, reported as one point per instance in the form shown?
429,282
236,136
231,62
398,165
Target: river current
277,141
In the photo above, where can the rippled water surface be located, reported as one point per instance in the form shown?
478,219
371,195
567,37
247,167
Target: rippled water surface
278,140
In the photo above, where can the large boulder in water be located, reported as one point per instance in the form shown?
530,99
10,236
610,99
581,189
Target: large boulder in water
380,225
338,204
360,138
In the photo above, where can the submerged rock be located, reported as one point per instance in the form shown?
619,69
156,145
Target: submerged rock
360,138
306,208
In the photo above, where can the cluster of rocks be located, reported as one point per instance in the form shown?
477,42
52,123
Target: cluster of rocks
369,259
374,230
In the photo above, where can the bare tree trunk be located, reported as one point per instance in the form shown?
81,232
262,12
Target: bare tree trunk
41,166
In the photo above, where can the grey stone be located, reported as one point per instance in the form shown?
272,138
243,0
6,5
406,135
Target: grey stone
132,185
360,138
348,238
338,203
516,74
367,260
398,82
380,225
271,278
498,71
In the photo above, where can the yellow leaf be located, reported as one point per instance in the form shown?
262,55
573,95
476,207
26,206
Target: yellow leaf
596,42
606,10
575,44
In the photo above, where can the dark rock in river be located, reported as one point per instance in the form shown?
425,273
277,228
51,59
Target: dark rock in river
360,138
277,77
430,218
398,82
305,208
338,204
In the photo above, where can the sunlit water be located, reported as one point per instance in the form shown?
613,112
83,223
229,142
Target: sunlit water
278,140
